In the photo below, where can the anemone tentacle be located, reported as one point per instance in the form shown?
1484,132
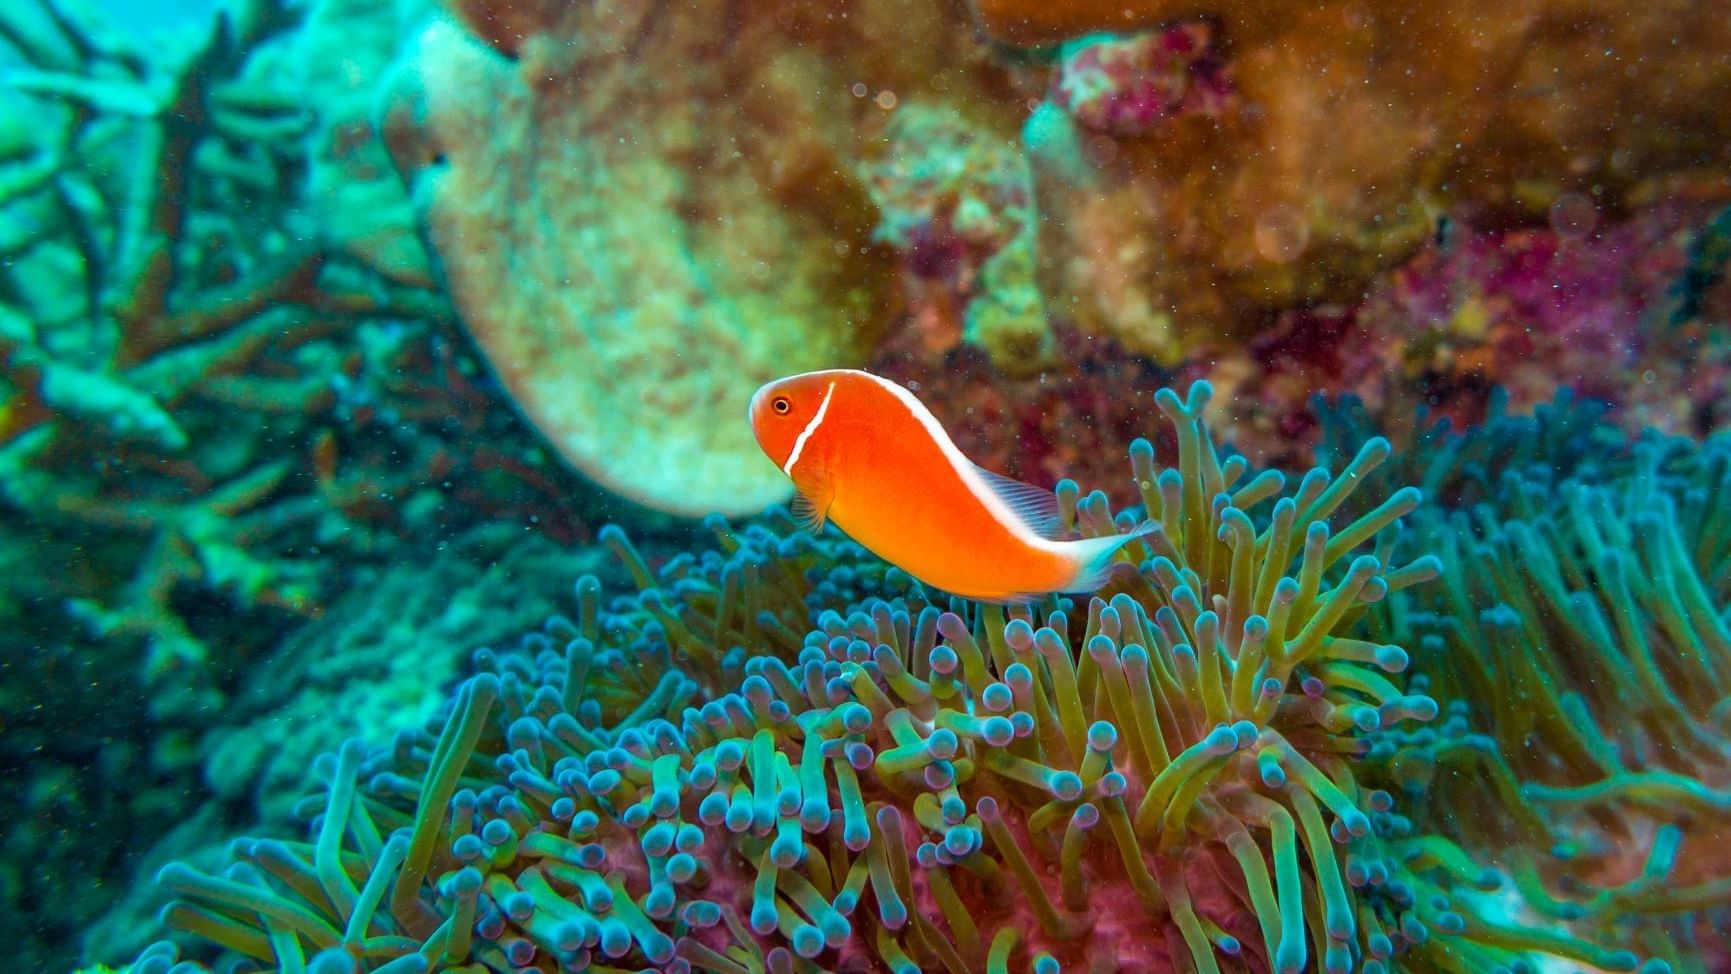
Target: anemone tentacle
782,755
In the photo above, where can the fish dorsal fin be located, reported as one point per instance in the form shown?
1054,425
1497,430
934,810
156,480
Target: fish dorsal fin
1036,507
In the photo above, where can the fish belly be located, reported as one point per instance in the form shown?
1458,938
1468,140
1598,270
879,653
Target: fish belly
957,547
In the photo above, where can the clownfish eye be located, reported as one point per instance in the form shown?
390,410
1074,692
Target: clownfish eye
781,405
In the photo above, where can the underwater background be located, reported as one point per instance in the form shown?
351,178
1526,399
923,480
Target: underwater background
390,580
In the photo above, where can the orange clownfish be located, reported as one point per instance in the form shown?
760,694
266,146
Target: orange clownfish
865,453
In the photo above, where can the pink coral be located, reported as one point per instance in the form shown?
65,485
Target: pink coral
955,199
1534,307
1128,85
1528,309
1350,127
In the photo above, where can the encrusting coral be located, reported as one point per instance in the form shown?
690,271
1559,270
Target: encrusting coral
1228,159
784,756
956,202
1605,308
1630,309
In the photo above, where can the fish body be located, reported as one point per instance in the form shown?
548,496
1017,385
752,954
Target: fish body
865,453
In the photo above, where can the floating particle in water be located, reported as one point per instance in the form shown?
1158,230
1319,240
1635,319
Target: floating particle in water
1101,150
1573,216
1281,234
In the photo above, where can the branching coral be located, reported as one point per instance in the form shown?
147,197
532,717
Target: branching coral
782,756
168,211
210,417
210,354
1583,615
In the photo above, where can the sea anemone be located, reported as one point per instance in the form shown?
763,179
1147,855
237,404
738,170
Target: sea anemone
784,756
1581,627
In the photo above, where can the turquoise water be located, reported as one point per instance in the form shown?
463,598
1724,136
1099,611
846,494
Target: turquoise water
1328,407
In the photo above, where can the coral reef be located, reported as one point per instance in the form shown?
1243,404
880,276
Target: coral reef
169,312
1183,774
1130,85
106,331
955,200
654,224
1583,626
1633,312
1636,311
710,200
269,294
1531,309
712,189
334,63
1069,421
1348,130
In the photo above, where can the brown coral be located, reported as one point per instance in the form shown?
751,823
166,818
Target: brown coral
641,224
1050,21
1354,125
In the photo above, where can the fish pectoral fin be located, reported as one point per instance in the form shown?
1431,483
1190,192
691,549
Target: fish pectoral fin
809,513
1014,598
1035,507
813,496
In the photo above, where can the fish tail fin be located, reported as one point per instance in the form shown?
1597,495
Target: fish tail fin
1097,556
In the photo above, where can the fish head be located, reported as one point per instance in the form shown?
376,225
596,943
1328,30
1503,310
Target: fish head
787,412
